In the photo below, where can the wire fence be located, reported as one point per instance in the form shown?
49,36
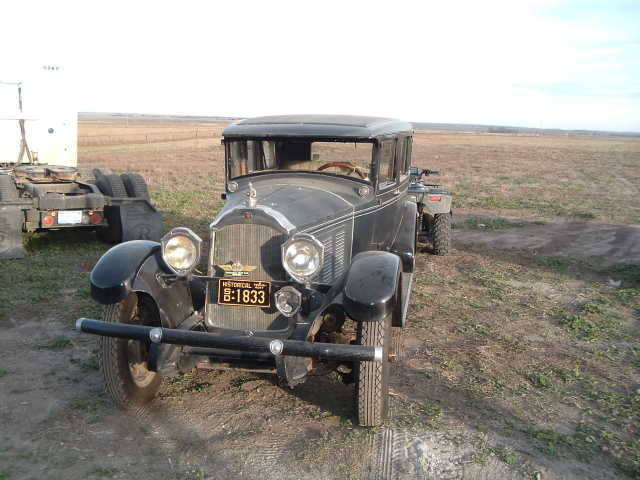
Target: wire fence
142,138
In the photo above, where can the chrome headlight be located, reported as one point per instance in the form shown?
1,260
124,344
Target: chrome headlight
181,250
302,256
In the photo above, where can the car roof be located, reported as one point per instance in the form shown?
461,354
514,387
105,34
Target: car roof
322,126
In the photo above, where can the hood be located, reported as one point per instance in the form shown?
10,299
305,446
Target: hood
300,207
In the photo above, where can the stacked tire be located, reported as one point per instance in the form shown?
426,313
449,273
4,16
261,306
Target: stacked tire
133,220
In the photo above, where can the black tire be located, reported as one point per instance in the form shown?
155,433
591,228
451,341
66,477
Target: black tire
135,185
122,362
441,233
397,345
112,186
101,172
424,234
87,175
372,378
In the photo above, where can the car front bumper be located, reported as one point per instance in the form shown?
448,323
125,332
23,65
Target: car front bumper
275,347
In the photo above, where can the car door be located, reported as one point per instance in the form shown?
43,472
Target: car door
387,194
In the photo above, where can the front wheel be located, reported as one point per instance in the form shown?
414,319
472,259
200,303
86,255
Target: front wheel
372,378
123,362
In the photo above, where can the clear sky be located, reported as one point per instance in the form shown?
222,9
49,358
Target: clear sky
563,64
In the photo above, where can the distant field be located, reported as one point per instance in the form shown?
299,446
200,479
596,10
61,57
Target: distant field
523,345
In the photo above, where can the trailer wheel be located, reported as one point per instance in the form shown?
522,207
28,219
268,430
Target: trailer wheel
441,233
372,378
135,185
123,362
11,220
112,186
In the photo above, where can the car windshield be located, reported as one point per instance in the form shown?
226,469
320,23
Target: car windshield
352,159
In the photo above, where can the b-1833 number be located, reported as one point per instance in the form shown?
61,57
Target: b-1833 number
246,293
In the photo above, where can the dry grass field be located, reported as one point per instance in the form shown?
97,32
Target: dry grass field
522,353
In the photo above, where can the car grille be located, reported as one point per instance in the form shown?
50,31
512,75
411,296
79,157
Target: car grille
260,246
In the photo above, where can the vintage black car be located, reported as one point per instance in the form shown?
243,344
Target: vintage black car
317,234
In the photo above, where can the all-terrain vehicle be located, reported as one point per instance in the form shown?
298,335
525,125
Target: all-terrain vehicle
42,189
434,210
309,263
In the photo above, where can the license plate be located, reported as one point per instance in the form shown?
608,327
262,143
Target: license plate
245,293
69,216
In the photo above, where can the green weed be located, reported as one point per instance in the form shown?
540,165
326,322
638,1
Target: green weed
562,264
105,472
90,364
414,415
59,343
519,181
590,327
491,223
540,380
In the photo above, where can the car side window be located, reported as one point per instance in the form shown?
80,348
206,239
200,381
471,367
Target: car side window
407,153
386,167
401,152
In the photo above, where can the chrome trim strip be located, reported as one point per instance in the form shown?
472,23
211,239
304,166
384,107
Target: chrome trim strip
269,212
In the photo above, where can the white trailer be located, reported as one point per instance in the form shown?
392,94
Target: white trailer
40,103
41,187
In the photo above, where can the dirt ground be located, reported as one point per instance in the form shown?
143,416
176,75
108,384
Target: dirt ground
603,243
522,355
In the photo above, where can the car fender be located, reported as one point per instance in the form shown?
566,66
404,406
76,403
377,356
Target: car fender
137,266
404,244
439,206
371,286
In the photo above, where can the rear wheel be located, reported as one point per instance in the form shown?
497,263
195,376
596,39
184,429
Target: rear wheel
372,378
123,362
112,186
441,233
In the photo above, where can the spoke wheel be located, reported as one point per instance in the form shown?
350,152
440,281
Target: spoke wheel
123,362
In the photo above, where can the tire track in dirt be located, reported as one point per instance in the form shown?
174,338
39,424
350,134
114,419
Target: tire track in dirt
395,453
267,457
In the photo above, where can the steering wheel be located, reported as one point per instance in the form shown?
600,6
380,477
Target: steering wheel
354,168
